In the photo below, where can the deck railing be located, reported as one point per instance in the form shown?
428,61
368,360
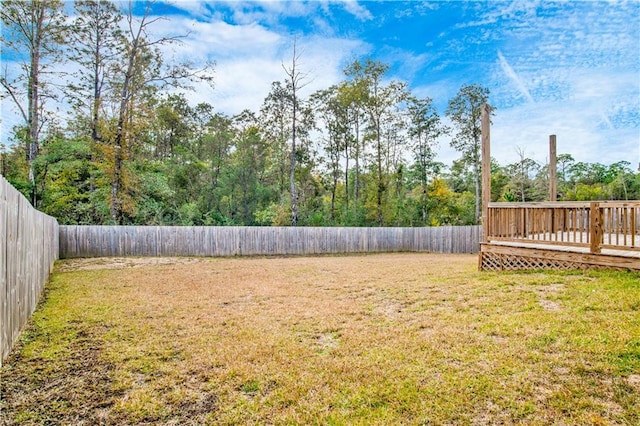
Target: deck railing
596,225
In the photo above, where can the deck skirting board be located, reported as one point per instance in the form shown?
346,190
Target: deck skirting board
503,257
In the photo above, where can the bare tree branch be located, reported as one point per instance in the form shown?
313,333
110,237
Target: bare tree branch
11,91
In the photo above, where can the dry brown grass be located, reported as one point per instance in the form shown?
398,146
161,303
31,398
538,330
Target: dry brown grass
379,339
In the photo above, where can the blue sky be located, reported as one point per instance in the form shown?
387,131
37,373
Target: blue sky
565,68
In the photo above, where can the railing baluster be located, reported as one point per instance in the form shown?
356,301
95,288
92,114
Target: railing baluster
634,230
616,224
625,228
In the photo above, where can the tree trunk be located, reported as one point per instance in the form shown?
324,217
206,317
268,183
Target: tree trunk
96,94
476,172
116,181
292,172
356,181
381,187
295,77
424,203
33,99
376,117
333,197
346,174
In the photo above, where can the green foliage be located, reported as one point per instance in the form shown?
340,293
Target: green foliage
446,207
15,168
68,175
584,192
156,195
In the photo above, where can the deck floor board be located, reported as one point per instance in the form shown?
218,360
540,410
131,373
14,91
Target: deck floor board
574,249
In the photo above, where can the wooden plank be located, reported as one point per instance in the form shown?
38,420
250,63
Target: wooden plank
13,267
5,342
524,241
63,240
563,204
619,247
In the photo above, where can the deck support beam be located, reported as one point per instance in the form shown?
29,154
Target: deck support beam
553,169
486,170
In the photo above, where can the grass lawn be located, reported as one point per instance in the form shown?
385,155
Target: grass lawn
376,339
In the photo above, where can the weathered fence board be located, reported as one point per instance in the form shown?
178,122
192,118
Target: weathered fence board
28,248
98,241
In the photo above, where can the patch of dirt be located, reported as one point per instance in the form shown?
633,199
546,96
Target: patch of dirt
205,404
327,341
77,391
634,381
549,305
545,303
390,309
449,262
551,288
96,263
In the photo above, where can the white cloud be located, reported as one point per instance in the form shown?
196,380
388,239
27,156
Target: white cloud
514,77
250,56
580,63
271,12
194,7
357,10
595,117
581,122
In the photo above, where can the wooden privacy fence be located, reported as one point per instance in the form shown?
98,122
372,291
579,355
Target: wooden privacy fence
613,225
97,241
28,249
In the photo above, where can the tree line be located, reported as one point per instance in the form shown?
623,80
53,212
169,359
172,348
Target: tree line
136,151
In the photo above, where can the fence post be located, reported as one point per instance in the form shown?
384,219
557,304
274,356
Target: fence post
596,222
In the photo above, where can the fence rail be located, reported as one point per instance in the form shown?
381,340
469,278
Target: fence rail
597,225
28,249
98,241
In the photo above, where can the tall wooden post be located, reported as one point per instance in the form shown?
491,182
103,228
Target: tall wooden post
553,169
553,179
486,170
596,223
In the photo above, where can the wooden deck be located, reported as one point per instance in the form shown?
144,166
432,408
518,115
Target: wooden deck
562,236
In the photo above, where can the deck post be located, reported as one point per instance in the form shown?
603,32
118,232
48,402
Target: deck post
486,170
596,219
553,169
553,179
